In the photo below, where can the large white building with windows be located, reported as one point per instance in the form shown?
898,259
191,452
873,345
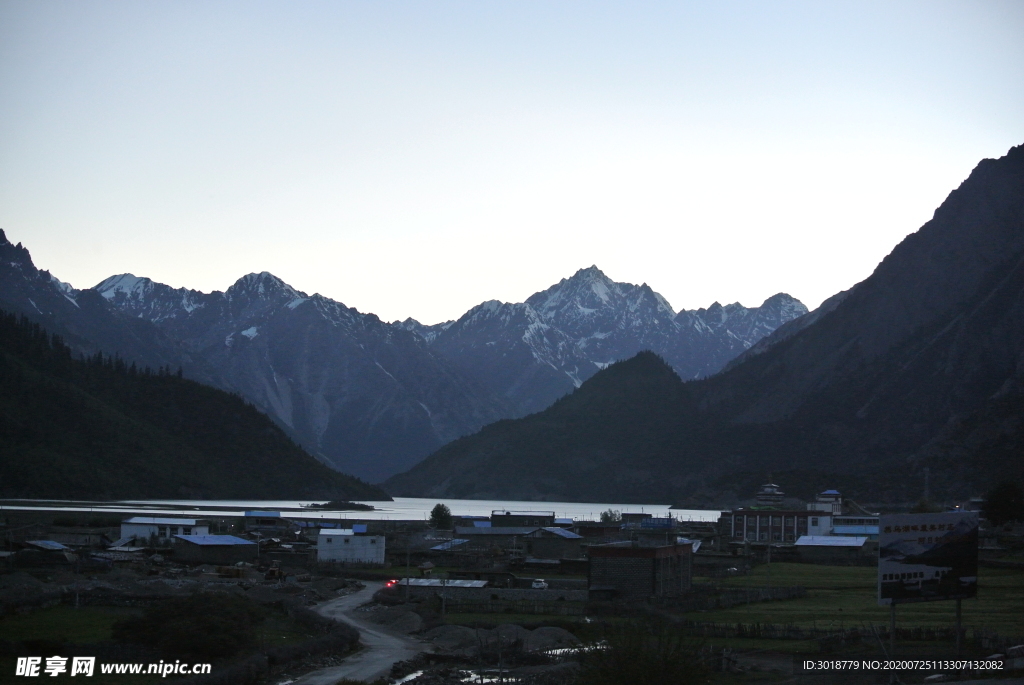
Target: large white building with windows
144,528
343,545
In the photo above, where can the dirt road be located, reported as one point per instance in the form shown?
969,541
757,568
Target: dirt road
382,649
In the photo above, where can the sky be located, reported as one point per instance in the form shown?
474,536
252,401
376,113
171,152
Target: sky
418,158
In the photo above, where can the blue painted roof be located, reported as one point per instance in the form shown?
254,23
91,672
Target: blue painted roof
855,530
563,533
444,546
161,521
829,541
214,540
264,514
831,492
358,527
481,524
47,544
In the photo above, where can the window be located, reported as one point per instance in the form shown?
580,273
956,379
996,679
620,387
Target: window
346,541
814,521
187,530
373,541
330,540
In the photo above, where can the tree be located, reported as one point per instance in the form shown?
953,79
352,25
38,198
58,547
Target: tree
611,516
1004,503
441,516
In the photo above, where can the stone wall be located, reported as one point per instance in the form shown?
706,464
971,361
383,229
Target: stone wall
485,594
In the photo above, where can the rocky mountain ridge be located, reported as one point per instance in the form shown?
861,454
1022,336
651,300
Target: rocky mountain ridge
373,398
531,353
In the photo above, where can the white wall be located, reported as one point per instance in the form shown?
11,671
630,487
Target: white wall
143,531
367,549
824,526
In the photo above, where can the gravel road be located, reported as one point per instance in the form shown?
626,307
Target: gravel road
381,648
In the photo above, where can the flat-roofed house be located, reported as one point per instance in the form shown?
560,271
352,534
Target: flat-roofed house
627,571
213,549
343,545
145,528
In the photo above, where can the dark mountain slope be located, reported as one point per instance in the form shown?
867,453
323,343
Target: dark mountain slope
102,429
927,279
598,443
922,364
366,396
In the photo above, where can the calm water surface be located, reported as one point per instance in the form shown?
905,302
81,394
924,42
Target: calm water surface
402,508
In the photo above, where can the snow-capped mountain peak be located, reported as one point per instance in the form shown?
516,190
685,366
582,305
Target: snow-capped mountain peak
263,284
129,284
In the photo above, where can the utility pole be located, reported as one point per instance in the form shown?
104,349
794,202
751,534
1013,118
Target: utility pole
408,573
892,637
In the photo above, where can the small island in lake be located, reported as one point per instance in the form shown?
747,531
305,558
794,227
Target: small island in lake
342,505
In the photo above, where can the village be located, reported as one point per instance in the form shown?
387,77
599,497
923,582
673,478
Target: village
441,581
622,556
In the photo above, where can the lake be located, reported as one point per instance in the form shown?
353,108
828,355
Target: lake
402,508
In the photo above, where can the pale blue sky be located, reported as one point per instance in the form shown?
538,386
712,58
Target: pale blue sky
414,159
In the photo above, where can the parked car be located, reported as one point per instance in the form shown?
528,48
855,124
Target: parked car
539,584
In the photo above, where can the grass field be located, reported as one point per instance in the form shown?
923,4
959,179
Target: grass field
846,596
837,597
89,625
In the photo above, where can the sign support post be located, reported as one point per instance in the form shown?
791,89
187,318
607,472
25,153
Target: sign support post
958,628
927,558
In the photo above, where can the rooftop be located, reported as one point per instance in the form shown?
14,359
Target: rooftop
830,541
161,521
439,582
211,540
503,512
47,544
504,530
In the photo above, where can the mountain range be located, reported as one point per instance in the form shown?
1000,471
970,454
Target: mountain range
373,398
920,366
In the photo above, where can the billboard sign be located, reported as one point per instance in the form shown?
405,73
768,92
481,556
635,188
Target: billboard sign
927,557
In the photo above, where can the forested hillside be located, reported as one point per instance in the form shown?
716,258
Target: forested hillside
101,428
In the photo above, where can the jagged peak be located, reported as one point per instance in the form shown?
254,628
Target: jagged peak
262,283
123,283
780,297
590,272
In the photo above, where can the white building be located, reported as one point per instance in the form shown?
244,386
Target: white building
830,501
344,545
142,528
